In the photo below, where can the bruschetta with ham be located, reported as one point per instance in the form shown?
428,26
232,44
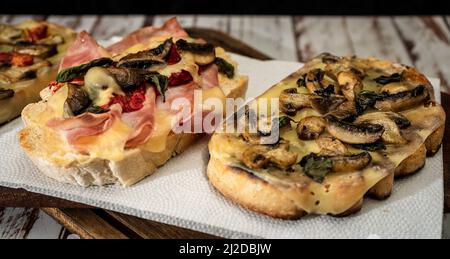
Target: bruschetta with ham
111,115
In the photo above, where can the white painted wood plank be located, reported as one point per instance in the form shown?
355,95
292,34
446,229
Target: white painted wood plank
216,22
184,20
273,35
116,25
4,18
45,227
319,34
16,19
429,46
78,23
376,36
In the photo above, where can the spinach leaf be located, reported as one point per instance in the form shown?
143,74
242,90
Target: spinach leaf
284,121
396,77
316,167
366,99
325,92
301,82
225,67
79,71
160,81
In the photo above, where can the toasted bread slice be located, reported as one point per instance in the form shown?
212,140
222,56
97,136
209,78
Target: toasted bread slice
27,91
285,190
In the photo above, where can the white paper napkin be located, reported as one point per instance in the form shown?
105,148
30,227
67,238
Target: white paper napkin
179,193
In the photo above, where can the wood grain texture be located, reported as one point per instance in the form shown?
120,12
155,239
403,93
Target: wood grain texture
19,223
85,223
154,230
108,26
427,43
77,23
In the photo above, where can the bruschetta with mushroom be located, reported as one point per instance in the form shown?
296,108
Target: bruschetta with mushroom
347,126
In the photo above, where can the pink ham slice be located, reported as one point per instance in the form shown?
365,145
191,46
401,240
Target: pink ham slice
210,77
84,49
171,28
86,124
142,121
174,93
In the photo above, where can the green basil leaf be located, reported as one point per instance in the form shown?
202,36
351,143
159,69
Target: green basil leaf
396,77
225,67
79,71
316,167
366,99
160,81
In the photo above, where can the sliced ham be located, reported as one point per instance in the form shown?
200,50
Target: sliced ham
86,124
171,28
173,93
210,76
142,121
84,49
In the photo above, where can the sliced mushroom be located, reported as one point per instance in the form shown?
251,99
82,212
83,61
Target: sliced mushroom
403,100
38,50
391,134
345,111
395,87
77,100
278,155
350,84
331,146
318,79
126,78
10,34
324,104
353,133
6,93
151,59
310,127
15,74
255,158
291,101
351,162
328,58
204,53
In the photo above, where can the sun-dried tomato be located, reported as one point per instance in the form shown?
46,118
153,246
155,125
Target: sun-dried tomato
173,57
5,57
180,78
55,86
37,33
21,60
131,101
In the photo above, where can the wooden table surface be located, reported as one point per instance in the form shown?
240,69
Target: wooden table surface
423,42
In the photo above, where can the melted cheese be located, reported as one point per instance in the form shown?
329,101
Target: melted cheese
108,145
101,86
162,129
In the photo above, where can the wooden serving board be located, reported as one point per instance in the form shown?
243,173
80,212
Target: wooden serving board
89,222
